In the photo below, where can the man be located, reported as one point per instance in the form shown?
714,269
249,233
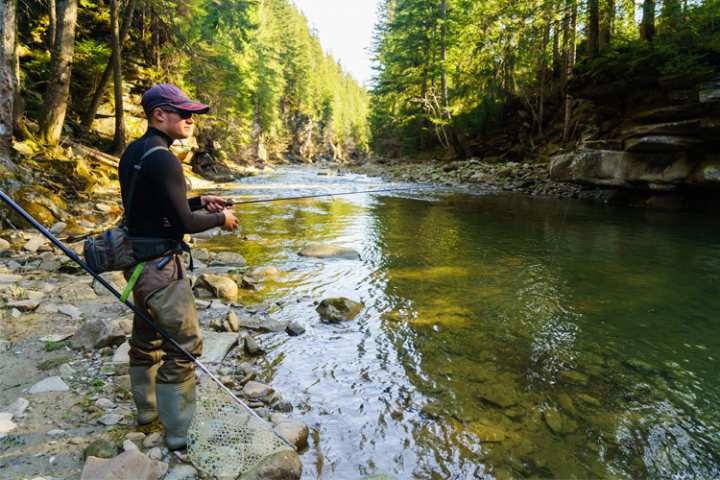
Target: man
157,210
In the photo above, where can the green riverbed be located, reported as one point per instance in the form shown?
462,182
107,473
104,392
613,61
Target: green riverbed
502,336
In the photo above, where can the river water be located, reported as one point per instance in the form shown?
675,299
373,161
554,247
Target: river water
502,336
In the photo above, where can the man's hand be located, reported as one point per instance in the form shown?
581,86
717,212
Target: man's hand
231,221
212,203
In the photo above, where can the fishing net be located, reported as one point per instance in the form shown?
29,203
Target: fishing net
225,439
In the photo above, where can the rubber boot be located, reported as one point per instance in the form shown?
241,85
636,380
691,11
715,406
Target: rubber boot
176,404
142,385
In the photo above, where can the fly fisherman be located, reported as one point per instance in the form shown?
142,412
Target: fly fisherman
157,210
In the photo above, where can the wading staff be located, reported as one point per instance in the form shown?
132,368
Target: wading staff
231,202
73,256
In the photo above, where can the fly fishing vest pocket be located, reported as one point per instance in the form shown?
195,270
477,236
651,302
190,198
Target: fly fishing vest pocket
115,250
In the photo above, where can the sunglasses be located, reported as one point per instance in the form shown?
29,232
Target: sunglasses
182,114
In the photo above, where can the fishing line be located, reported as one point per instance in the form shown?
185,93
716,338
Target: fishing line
231,202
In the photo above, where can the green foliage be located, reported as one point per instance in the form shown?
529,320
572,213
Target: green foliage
500,54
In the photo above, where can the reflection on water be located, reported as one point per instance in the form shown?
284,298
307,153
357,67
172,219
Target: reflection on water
502,336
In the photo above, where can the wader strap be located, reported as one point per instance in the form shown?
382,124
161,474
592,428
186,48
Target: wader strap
135,174
133,280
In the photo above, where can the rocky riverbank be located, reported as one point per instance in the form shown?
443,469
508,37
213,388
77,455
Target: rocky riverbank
64,388
486,175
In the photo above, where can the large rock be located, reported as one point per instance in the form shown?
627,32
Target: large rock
338,309
621,169
660,143
216,346
17,408
6,423
226,323
283,465
28,305
294,432
100,333
50,384
128,465
329,251
254,389
220,286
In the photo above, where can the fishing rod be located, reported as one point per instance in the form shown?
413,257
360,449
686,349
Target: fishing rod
137,311
231,202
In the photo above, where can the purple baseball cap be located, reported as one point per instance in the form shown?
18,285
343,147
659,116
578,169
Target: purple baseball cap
167,94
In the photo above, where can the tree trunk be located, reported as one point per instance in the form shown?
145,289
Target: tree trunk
607,24
56,97
100,90
8,75
454,138
556,62
52,27
119,140
155,34
569,66
593,28
647,27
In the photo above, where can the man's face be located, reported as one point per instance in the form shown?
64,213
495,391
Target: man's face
175,123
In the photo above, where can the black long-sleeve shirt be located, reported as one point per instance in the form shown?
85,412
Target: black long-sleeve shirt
160,207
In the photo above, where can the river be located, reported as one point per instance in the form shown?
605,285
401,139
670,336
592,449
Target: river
502,336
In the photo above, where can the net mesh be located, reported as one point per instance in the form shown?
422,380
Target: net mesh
224,439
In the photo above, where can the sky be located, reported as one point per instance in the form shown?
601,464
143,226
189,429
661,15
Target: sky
345,29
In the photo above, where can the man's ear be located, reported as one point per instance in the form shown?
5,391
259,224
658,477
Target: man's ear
157,115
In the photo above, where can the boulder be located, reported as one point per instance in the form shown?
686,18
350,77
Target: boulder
329,251
182,472
660,143
254,389
261,323
17,408
338,309
99,333
28,305
71,311
216,346
4,245
6,423
294,432
227,323
100,448
122,354
251,346
128,465
50,384
220,286
283,465
294,329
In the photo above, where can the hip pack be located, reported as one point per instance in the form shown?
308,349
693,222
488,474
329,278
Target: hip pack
115,249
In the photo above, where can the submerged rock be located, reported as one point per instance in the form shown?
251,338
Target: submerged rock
339,309
329,251
488,433
558,423
576,378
